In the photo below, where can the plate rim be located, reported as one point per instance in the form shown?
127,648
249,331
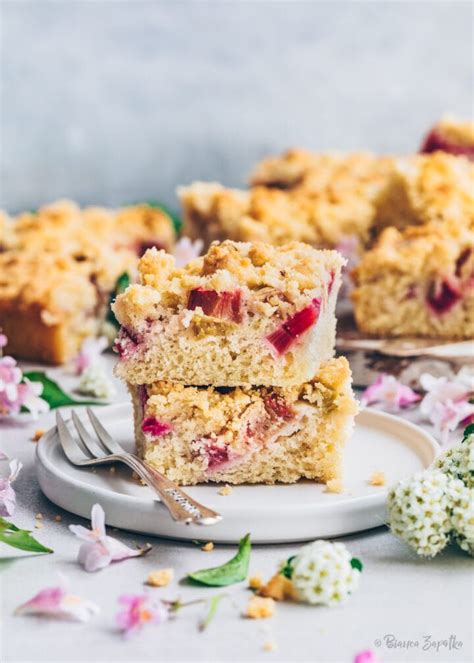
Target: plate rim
49,439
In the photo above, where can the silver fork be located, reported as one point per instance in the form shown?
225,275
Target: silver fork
89,451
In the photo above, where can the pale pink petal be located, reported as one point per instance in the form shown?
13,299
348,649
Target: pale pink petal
367,656
15,467
94,556
186,250
83,533
98,520
120,551
90,351
56,603
3,456
391,394
140,610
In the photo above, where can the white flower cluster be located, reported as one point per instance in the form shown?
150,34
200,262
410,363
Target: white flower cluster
94,382
436,506
322,573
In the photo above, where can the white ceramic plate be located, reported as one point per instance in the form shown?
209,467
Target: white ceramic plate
272,514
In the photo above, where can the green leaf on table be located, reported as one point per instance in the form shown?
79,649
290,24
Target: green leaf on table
52,392
213,604
287,569
235,570
121,285
156,204
357,564
20,538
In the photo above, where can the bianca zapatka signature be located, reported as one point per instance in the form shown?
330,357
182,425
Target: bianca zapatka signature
423,643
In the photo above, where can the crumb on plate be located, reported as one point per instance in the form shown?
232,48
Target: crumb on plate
378,479
225,490
269,645
38,434
160,578
259,607
334,486
207,547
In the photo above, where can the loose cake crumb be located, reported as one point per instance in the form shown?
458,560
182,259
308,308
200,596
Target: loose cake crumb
207,547
38,434
334,486
255,582
279,588
58,518
269,645
39,524
260,608
378,479
160,578
225,490
39,516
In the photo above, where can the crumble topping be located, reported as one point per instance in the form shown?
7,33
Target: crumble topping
378,479
160,578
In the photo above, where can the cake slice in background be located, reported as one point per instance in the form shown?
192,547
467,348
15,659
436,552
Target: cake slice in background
321,199
247,434
419,282
59,266
243,314
450,135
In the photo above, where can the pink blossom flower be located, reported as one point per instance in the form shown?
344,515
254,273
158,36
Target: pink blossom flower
139,611
446,402
90,351
366,656
15,393
391,394
98,549
57,603
3,340
7,494
186,250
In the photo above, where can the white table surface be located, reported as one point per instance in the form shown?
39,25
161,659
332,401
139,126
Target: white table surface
400,596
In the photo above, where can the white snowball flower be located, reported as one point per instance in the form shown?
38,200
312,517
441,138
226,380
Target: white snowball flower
462,515
458,461
94,382
322,573
418,511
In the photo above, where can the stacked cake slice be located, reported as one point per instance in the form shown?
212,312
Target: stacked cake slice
230,364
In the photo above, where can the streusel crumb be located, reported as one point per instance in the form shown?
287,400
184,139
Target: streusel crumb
207,547
334,486
378,479
225,490
160,578
38,434
255,581
259,607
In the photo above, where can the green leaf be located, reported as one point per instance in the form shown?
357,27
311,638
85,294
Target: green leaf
469,430
156,204
213,604
121,285
357,564
20,538
52,392
287,569
235,570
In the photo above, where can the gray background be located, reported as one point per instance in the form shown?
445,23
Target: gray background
109,102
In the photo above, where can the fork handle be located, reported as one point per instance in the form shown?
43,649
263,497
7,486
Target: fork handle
181,506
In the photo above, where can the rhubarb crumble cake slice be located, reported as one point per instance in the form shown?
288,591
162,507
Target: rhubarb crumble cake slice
59,266
318,199
245,313
450,135
419,282
247,434
427,188
50,303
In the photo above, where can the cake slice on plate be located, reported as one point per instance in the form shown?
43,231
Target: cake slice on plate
243,314
247,434
419,282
